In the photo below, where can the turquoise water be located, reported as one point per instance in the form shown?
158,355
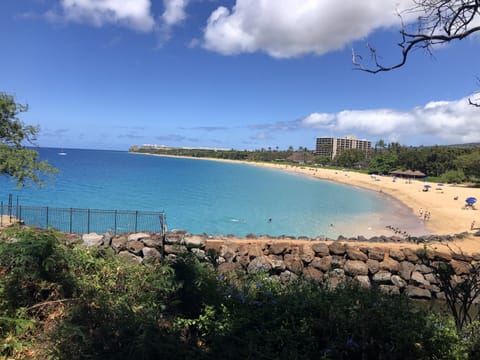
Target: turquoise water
211,197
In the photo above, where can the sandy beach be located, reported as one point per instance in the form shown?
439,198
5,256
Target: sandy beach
445,204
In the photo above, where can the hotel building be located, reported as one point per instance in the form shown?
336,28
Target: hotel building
331,147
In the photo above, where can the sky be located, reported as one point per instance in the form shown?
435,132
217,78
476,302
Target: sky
242,74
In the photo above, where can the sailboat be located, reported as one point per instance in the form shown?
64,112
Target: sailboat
62,153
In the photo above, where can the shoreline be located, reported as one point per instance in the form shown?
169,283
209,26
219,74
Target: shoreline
444,203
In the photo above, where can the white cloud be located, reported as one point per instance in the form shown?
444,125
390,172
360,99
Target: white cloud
174,11
288,28
442,121
132,13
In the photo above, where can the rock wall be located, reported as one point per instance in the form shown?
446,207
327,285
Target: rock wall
395,269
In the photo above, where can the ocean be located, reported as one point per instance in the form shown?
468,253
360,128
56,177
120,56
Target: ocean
212,197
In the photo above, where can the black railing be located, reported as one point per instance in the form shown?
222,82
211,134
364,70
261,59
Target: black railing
81,221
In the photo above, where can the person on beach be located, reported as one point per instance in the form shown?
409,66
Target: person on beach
472,226
420,211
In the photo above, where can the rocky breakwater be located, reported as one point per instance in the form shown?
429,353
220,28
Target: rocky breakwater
409,270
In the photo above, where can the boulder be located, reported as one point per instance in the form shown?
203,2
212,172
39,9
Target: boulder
287,276
293,263
129,258
92,239
418,279
373,266
389,289
153,242
194,241
149,252
363,281
277,263
135,246
228,267
355,267
138,236
175,249
324,263
405,270
390,265
337,248
417,293
321,249
461,267
398,281
255,250
355,254
307,254
376,254
313,274
259,264
397,254
383,277
410,255
119,243
277,248
335,277
424,269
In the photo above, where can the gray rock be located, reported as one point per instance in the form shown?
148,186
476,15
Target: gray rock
405,270
398,281
287,276
119,243
259,264
383,277
129,258
175,249
417,293
138,236
424,269
363,281
153,242
199,253
92,239
389,289
419,279
194,241
148,252
335,277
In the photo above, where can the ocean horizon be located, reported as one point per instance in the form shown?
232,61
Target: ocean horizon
211,197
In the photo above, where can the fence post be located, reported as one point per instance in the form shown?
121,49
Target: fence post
71,220
136,220
20,221
1,214
10,207
46,221
164,233
18,218
88,221
115,227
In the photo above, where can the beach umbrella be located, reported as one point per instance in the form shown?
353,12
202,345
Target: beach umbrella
471,200
427,186
440,184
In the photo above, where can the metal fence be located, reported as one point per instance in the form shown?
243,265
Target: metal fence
81,221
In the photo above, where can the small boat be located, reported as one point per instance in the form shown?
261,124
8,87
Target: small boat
62,153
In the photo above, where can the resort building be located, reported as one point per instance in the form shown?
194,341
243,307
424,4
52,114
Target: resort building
331,147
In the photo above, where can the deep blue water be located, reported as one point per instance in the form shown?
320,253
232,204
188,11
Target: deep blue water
207,196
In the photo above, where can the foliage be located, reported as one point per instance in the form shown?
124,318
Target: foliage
348,158
15,159
69,302
453,176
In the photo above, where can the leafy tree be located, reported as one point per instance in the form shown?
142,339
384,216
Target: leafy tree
16,160
350,157
470,164
383,163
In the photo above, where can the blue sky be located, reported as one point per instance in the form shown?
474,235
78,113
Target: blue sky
243,74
